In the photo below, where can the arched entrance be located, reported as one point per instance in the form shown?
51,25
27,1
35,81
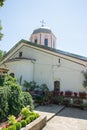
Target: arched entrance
57,86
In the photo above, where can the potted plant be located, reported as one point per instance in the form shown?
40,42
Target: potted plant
77,102
68,93
75,94
84,106
61,93
85,81
66,102
60,100
82,94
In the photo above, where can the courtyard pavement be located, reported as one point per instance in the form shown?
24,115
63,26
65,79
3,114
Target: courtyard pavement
63,118
49,110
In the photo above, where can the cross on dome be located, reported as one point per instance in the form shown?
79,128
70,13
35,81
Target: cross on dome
42,22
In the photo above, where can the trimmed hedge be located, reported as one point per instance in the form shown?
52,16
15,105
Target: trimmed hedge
23,123
18,126
12,127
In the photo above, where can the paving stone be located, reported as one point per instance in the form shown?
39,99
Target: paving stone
49,110
68,119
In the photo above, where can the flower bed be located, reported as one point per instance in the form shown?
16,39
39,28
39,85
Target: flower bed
25,118
37,124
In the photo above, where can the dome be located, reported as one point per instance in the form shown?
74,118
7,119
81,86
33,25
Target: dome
42,30
43,36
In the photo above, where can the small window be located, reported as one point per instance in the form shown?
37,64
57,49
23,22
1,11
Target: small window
35,40
12,75
46,42
57,86
20,54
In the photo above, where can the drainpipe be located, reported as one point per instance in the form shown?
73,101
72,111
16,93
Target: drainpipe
33,68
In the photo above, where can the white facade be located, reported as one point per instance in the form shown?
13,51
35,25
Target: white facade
45,66
38,61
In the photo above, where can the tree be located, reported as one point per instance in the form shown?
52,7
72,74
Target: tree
1,34
1,3
2,53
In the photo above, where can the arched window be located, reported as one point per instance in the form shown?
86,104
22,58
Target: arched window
46,42
35,40
20,54
57,86
12,74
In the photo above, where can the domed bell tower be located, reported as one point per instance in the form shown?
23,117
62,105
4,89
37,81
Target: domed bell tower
43,36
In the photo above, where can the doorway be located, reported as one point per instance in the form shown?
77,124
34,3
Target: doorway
57,86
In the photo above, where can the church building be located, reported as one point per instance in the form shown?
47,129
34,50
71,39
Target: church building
38,60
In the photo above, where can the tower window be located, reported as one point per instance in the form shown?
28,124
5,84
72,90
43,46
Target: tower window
20,54
35,40
46,42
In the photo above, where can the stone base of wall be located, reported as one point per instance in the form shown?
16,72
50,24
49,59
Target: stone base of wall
37,124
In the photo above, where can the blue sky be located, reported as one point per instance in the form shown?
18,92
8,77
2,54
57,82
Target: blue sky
66,18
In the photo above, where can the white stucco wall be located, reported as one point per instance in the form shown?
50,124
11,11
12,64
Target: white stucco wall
21,68
46,69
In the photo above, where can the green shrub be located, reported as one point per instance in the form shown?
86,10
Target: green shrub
30,86
12,127
44,87
3,103
18,126
12,120
83,106
4,128
36,115
23,123
60,100
1,80
28,120
9,80
25,112
85,80
15,101
27,100
26,85
32,117
12,98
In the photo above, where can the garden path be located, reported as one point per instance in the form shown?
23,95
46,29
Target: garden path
68,119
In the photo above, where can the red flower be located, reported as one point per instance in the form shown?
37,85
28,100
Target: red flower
5,125
75,94
61,93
